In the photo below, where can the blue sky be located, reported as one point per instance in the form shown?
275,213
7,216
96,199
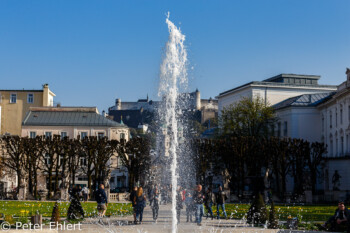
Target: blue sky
91,52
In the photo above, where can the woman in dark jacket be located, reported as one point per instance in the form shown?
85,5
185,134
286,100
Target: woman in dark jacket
140,203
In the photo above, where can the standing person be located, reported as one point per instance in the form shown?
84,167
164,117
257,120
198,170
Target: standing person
150,194
85,193
220,202
80,193
189,207
198,200
179,200
155,204
102,201
140,201
133,201
164,195
209,201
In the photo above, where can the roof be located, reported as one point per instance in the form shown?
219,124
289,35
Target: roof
23,90
132,118
67,118
306,100
278,81
298,76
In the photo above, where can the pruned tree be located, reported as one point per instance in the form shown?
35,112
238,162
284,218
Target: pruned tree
13,157
88,154
49,159
102,162
32,154
314,160
135,156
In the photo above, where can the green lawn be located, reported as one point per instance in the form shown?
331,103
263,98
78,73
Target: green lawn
26,208
304,212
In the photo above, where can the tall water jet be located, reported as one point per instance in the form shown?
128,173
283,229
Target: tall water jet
173,80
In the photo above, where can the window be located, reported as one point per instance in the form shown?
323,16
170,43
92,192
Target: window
13,98
331,145
336,147
83,135
122,136
322,122
47,159
32,134
279,129
330,119
336,117
285,129
273,129
341,145
100,135
48,134
341,114
82,161
63,135
30,98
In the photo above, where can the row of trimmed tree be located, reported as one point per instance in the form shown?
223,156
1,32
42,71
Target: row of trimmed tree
260,159
62,160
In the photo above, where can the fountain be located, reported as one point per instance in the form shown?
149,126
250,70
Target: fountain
173,81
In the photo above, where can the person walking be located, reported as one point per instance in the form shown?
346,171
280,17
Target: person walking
133,201
155,204
179,204
102,201
209,201
140,201
220,202
189,207
198,199
85,192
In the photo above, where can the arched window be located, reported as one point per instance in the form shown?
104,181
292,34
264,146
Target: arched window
330,119
341,114
331,145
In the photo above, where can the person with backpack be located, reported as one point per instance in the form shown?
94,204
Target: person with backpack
102,201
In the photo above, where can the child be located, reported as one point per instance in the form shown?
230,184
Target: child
189,206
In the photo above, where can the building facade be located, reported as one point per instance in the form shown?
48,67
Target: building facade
74,122
275,89
14,104
136,114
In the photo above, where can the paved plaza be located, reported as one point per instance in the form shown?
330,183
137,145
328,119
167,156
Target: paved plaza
163,225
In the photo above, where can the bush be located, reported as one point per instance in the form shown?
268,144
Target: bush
273,221
75,210
55,217
257,213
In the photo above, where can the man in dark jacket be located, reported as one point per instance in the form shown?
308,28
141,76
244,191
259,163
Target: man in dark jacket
220,202
340,220
102,200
